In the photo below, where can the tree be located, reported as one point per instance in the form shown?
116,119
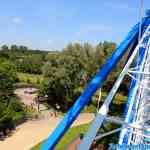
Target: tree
23,49
4,48
61,78
30,64
14,48
9,104
65,72
7,78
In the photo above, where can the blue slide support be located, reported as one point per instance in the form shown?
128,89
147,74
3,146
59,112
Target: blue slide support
132,99
95,83
133,87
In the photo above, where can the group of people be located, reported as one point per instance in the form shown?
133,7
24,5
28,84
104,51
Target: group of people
53,113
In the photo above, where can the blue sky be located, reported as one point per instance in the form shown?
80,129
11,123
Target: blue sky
52,24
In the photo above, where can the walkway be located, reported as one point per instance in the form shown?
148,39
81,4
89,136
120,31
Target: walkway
31,133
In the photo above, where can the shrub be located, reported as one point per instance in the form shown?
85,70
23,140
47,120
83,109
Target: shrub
38,81
28,81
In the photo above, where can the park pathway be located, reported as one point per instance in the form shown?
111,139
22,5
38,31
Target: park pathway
32,132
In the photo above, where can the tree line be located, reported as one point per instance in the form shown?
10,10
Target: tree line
68,72
65,72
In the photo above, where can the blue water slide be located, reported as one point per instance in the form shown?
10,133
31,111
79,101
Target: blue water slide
95,83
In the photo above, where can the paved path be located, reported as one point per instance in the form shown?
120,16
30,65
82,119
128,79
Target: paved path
30,133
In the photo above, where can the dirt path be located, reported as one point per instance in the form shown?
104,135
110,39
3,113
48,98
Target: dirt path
32,132
26,98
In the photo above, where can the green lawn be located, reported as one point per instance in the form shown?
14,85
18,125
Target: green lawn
37,147
29,78
68,137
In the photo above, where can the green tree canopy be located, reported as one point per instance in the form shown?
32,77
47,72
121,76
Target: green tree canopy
9,104
7,78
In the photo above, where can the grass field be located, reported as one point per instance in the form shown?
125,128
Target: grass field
29,78
68,137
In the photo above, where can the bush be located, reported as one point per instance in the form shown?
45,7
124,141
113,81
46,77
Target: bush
12,113
38,81
28,81
17,79
19,118
16,105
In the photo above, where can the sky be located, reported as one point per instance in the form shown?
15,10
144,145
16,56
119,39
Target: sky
52,24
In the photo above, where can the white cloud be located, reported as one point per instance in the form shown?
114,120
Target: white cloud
92,29
16,20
